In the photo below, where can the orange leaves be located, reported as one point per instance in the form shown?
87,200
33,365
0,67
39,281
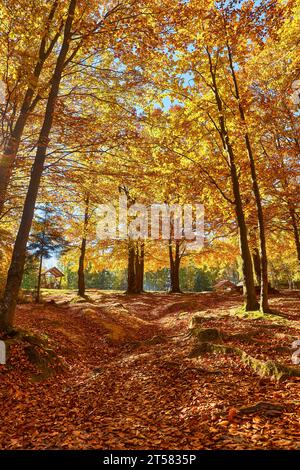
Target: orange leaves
232,412
145,394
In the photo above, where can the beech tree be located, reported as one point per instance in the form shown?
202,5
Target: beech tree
177,101
50,29
15,272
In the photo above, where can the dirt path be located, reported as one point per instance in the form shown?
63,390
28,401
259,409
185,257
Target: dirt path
143,391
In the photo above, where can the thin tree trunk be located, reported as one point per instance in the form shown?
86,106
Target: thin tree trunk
136,269
264,302
174,268
257,265
251,301
139,268
16,269
81,277
250,294
41,256
11,147
38,290
142,267
264,285
131,286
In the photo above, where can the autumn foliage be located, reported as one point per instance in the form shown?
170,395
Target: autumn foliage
161,101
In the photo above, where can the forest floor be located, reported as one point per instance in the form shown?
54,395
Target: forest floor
121,375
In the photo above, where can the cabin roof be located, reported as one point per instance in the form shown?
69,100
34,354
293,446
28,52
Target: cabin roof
54,271
224,283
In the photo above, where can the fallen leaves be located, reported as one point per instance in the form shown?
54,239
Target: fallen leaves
232,412
145,394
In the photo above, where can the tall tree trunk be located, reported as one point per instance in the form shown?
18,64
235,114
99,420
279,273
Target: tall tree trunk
81,277
16,269
251,301
131,285
295,230
135,276
264,286
250,294
174,268
41,255
139,267
257,264
38,290
142,267
135,268
11,147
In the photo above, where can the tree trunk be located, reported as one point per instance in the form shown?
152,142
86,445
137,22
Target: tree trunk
264,285
38,290
295,230
174,268
131,285
135,276
250,294
16,269
139,267
81,277
257,265
142,267
11,147
251,301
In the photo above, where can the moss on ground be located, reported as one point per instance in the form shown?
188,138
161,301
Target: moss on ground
206,338
271,369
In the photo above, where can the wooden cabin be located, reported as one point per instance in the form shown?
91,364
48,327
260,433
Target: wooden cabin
225,286
51,279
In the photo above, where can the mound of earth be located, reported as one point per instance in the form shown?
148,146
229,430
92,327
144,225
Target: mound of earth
117,320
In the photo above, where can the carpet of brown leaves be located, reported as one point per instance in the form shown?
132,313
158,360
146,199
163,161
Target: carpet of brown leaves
127,381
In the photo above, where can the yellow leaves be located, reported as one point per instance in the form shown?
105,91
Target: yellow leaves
232,412
257,419
223,423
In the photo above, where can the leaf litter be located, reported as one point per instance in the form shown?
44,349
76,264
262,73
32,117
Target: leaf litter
122,377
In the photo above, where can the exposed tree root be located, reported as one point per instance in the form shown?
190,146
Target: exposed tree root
150,341
37,352
205,337
206,347
213,334
263,407
272,369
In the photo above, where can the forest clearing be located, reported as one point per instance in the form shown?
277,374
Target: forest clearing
138,382
149,226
